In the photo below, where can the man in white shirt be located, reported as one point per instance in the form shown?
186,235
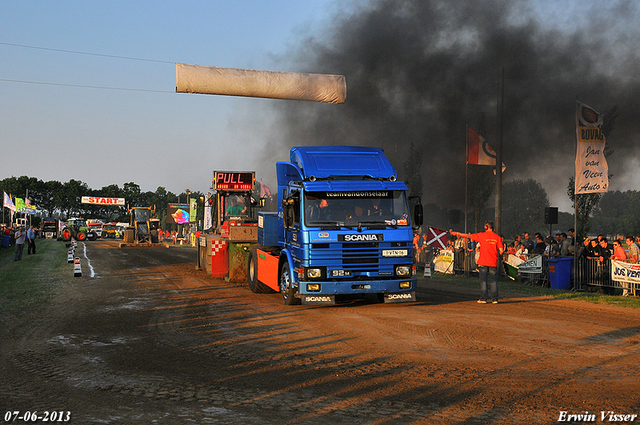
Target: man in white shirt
19,237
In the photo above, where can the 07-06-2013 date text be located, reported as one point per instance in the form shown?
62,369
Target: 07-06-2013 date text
46,416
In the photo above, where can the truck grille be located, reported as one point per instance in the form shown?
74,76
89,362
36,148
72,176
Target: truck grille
361,256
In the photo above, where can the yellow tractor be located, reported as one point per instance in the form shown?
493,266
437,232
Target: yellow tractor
142,228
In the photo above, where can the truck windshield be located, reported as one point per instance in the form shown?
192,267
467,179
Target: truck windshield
142,215
387,208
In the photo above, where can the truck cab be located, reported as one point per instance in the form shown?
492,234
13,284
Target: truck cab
95,226
343,227
49,226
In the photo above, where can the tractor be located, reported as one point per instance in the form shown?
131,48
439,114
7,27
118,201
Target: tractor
77,228
142,229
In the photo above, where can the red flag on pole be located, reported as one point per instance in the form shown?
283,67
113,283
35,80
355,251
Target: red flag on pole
264,190
436,237
479,152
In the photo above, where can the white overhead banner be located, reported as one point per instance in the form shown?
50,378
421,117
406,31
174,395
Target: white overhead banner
592,171
201,79
102,201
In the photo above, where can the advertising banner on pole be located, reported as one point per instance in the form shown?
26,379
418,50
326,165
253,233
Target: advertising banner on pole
193,207
208,222
592,171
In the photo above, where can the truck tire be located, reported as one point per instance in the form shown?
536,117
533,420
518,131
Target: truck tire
92,236
81,236
286,286
154,236
66,235
129,235
252,273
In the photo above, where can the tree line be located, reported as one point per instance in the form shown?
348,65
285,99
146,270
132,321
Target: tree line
523,205
62,200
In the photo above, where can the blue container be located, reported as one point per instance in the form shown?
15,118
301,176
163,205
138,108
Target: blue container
268,228
5,241
560,272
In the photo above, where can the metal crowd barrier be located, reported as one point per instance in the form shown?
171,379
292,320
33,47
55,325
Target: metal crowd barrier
591,272
587,273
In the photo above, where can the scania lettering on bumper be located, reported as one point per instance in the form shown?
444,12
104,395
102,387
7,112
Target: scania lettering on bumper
401,297
318,299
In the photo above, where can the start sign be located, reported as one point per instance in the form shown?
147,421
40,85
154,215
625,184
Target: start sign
234,181
102,201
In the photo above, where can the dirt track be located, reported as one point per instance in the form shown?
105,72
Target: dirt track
151,340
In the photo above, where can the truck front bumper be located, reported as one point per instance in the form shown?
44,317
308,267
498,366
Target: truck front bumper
394,290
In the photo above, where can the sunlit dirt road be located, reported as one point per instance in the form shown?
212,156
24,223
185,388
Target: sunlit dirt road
149,339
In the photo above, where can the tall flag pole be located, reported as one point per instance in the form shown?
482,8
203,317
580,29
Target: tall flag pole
499,151
466,202
466,179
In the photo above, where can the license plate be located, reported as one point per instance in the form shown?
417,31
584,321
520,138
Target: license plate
395,253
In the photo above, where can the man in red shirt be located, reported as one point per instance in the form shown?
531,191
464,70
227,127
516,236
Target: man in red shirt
491,248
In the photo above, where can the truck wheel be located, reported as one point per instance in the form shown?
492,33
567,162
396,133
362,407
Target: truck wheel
92,236
252,273
66,235
154,236
129,235
286,286
81,236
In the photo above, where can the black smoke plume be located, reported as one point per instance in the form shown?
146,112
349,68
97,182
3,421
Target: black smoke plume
418,71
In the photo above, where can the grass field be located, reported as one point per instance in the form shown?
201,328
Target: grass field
36,278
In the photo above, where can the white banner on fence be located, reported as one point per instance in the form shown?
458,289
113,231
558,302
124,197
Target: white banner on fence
444,262
532,265
625,272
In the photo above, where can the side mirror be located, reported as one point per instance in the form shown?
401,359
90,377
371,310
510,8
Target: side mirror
289,213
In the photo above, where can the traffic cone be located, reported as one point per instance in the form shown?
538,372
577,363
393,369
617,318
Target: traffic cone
77,268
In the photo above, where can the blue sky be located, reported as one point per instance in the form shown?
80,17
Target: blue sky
101,118
133,126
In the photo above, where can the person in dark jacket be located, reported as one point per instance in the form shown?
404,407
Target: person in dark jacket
541,246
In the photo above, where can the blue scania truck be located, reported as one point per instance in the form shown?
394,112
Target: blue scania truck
343,227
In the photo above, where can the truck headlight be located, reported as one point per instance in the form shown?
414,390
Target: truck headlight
403,270
313,287
314,273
